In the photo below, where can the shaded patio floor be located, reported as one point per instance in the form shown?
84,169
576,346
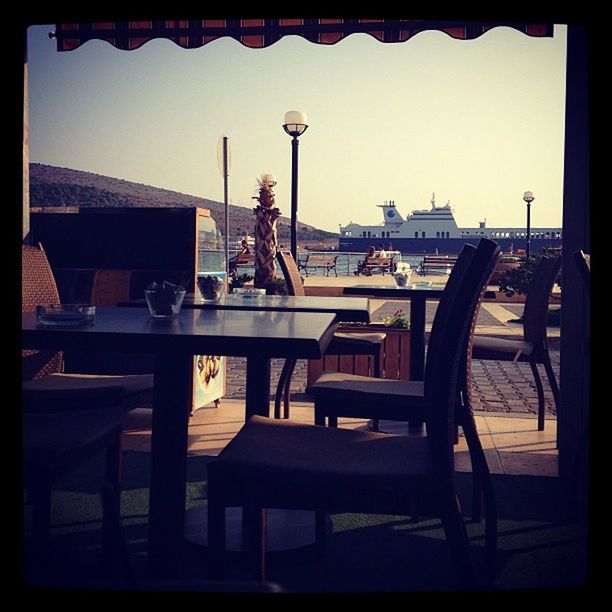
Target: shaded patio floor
541,545
512,444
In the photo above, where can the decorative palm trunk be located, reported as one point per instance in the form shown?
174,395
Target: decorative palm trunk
265,235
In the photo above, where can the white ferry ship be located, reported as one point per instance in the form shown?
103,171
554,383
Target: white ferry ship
435,230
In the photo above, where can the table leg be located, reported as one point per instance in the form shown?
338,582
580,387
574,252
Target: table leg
258,386
417,347
257,402
417,338
172,400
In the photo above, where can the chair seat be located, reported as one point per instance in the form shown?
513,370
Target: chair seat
300,455
503,349
51,441
65,392
363,396
354,344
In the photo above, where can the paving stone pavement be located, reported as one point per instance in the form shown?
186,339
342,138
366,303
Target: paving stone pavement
499,386
391,306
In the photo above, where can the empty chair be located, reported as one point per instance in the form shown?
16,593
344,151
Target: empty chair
533,347
55,444
45,387
583,261
338,394
67,418
581,463
345,395
341,344
283,464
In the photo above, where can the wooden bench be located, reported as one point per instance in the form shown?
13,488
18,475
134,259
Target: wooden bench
242,260
437,263
368,265
321,262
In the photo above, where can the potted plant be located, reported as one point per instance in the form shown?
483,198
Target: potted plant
239,280
517,281
398,320
506,263
277,287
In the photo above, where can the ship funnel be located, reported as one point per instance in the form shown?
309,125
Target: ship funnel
390,213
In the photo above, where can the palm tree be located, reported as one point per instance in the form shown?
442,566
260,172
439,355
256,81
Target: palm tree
266,238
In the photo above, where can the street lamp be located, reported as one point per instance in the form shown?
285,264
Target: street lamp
528,197
295,125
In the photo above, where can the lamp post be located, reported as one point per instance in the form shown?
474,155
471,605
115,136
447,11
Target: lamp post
295,125
528,197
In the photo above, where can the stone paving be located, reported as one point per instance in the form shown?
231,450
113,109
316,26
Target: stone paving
499,386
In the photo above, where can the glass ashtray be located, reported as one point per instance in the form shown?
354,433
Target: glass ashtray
164,303
422,284
249,293
65,315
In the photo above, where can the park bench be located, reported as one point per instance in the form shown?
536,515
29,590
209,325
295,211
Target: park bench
437,263
321,262
369,264
242,260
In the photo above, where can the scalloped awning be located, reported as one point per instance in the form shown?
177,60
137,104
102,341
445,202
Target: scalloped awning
258,33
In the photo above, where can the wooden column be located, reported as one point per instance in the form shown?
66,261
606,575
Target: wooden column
573,418
26,156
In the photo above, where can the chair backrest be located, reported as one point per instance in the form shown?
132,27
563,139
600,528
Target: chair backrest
464,404
583,261
290,272
538,295
448,346
453,284
37,287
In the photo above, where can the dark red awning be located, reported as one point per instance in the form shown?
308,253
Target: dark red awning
257,33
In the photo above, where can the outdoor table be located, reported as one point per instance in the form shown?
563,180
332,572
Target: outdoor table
262,335
418,297
352,309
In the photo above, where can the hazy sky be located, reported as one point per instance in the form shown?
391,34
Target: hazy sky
478,122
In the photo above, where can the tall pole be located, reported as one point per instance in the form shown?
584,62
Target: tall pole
294,195
528,199
226,202
295,125
528,228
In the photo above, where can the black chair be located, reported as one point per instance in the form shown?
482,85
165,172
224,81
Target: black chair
337,394
283,464
55,444
45,386
341,344
533,347
583,261
67,418
581,473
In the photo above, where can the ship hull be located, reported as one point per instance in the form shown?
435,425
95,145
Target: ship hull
444,246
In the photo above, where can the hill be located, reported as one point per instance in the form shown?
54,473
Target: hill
54,186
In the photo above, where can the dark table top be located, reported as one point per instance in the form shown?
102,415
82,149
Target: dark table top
221,332
346,308
433,292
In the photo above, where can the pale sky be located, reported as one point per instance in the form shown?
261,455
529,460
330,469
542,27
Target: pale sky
477,122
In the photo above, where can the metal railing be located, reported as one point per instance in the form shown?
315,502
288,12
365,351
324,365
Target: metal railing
346,262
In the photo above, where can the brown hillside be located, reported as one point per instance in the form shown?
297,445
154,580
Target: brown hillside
54,186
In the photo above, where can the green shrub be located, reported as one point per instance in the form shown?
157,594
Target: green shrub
277,287
517,281
398,320
239,280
